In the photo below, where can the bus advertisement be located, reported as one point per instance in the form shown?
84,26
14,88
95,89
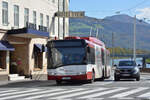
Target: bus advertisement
78,58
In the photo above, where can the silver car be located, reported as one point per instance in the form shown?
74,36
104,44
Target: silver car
127,69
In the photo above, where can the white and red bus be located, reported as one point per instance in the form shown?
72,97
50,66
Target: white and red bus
77,58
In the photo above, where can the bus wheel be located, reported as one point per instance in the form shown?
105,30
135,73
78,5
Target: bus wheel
58,82
103,78
93,77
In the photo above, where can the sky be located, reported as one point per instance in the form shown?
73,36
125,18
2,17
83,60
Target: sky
104,8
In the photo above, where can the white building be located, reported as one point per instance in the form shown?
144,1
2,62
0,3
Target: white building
25,27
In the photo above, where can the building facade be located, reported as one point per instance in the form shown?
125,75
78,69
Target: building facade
25,28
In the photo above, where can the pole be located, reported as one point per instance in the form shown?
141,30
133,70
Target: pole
58,20
64,8
112,49
134,40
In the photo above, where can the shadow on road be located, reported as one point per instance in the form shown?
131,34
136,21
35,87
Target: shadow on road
37,83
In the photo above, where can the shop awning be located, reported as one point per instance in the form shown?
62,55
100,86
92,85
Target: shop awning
5,46
28,33
40,48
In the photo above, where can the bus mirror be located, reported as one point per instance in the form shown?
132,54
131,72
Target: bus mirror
88,49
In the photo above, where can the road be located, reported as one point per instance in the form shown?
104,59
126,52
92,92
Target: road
99,90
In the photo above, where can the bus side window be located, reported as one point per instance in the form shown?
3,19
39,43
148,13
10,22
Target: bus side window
90,55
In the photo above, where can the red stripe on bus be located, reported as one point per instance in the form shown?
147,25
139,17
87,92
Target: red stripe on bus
87,76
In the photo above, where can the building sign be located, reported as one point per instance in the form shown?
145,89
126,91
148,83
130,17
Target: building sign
70,14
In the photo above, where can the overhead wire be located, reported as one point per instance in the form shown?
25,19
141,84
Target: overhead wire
123,10
135,6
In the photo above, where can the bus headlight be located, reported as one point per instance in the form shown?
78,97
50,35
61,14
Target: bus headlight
81,73
52,73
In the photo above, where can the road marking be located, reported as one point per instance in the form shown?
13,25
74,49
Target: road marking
128,92
146,95
80,93
1,92
102,93
52,94
18,92
28,94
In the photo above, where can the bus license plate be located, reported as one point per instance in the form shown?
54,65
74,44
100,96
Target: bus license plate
66,78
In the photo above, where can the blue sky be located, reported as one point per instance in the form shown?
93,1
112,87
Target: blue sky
103,8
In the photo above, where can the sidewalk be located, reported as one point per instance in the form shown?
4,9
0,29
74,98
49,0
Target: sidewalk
27,83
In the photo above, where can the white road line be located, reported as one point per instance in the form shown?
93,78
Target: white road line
28,94
52,94
1,92
79,93
18,92
128,92
146,95
102,93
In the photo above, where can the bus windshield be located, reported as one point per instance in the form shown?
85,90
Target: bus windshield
67,56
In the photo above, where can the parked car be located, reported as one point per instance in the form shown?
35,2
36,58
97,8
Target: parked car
127,69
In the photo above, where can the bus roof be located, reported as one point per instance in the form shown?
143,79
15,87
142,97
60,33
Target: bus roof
91,39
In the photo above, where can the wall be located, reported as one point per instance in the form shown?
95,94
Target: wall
47,7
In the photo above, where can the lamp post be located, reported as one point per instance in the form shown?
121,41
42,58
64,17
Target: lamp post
134,40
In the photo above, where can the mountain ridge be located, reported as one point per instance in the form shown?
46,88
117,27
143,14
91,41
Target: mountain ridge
122,29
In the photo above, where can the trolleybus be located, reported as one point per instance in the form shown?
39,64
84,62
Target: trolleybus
78,58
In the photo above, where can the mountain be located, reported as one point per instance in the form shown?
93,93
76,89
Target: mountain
121,25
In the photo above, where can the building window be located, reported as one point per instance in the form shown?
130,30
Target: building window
53,26
26,16
47,19
41,19
38,56
34,17
38,62
2,60
5,13
16,16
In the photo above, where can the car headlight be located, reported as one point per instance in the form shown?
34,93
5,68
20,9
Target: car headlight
135,70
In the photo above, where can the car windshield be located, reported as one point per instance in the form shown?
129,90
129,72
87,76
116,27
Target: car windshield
67,56
127,63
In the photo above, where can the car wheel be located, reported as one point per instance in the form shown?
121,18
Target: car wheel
138,78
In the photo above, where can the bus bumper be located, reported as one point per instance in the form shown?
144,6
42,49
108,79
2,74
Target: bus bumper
87,76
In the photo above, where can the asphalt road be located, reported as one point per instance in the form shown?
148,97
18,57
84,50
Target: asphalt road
99,90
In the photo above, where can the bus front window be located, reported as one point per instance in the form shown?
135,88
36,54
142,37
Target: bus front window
67,56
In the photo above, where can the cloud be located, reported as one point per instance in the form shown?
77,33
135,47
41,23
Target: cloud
143,13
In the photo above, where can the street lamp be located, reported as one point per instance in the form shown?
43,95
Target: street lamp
134,40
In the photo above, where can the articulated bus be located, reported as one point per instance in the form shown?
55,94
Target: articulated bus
78,58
